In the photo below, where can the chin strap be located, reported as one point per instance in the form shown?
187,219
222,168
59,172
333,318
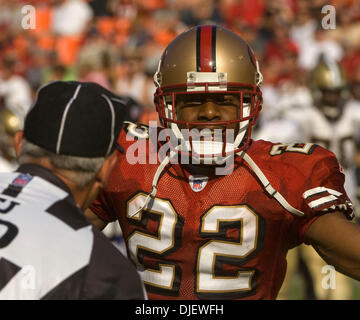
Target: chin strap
155,181
268,187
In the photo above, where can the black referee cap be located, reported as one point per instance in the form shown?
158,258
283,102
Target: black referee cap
75,118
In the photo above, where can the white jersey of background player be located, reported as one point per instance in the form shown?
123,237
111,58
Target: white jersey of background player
331,120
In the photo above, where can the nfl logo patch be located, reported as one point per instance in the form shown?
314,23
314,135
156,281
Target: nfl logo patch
198,183
21,180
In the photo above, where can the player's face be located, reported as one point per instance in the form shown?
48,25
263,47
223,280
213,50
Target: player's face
331,97
208,108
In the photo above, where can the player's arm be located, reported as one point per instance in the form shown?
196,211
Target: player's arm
95,220
337,240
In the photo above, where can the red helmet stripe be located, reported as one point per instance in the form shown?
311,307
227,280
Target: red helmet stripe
206,49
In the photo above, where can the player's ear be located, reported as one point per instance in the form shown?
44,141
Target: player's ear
18,140
104,173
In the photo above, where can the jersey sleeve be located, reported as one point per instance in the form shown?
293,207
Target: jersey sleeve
110,199
323,192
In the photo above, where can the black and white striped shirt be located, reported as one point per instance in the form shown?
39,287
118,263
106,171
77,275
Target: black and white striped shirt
49,250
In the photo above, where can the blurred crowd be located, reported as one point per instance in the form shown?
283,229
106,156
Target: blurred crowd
117,43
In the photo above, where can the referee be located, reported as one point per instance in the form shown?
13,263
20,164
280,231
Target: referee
48,249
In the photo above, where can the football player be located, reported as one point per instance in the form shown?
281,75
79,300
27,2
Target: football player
196,232
333,119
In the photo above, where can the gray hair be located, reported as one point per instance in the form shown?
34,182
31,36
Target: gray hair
81,170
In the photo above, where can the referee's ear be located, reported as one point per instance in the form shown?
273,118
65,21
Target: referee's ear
18,140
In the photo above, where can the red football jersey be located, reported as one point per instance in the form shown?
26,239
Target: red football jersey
220,237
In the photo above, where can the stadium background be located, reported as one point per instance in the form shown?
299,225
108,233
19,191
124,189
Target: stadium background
117,43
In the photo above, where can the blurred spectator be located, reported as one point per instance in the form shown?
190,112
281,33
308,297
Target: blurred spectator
150,5
247,12
99,7
131,80
59,72
35,72
311,50
10,14
87,74
280,45
347,32
95,50
71,17
201,12
304,27
14,89
69,30
351,61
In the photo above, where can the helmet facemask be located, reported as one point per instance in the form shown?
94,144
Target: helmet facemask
329,88
210,146
331,101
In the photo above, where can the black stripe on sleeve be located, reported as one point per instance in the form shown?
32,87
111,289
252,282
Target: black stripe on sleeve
67,211
8,270
12,191
70,288
111,275
18,184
